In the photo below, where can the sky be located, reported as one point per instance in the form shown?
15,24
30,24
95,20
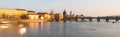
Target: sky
85,7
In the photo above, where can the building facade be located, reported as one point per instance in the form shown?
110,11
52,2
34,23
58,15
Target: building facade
32,15
16,13
59,17
46,15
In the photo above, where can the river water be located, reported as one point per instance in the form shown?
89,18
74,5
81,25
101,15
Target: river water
61,29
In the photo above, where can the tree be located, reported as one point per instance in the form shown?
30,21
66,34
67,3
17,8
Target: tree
24,16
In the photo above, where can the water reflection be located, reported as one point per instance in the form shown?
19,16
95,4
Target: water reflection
22,31
64,29
60,29
20,25
4,25
33,28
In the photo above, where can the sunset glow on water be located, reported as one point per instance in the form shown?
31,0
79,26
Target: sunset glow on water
62,29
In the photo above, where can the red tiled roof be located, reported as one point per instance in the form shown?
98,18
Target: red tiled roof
42,13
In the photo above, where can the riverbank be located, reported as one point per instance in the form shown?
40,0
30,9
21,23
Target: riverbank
28,20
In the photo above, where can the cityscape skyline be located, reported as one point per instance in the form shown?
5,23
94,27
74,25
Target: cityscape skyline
85,7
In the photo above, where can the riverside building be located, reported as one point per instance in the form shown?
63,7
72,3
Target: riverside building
15,13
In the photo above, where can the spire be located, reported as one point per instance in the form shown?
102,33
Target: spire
64,12
52,11
70,12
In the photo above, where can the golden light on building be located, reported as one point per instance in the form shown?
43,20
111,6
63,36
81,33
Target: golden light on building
7,11
22,31
47,16
20,12
60,16
33,17
13,12
42,18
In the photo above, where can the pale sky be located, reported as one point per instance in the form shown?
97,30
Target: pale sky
86,7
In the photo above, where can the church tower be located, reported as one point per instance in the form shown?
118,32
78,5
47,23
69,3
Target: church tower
52,13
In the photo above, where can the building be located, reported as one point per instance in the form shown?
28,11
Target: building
5,12
64,14
8,12
52,13
59,17
20,12
46,15
33,15
31,11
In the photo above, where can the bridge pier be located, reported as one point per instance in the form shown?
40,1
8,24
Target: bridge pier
117,19
98,19
107,19
90,19
82,19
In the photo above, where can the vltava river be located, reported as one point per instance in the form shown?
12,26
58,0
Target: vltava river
61,29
